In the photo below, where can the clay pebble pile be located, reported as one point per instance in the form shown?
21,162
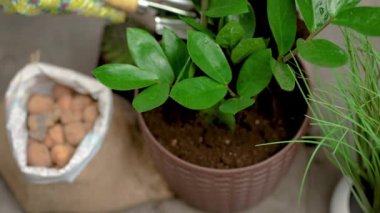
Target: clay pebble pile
57,123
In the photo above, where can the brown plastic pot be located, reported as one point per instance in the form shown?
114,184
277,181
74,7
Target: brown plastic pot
221,190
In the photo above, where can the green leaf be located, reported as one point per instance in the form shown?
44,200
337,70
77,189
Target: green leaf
220,8
148,55
197,26
284,75
236,105
198,93
245,47
335,6
283,23
322,52
246,20
255,73
306,9
152,97
365,20
209,57
175,49
187,71
124,76
230,34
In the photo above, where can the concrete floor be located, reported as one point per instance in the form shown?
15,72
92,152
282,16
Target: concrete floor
73,42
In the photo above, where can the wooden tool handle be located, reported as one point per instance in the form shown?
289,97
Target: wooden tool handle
127,5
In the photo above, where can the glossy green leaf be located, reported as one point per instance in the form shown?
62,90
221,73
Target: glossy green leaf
283,23
322,52
175,49
230,34
152,97
246,20
306,10
245,47
209,57
198,93
196,25
124,76
365,20
255,73
221,8
148,55
236,105
284,75
187,71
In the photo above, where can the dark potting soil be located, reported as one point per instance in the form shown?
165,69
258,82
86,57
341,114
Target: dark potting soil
276,116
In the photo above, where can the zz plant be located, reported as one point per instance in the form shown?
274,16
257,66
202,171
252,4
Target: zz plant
222,67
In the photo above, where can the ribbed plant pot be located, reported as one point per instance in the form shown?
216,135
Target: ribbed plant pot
221,190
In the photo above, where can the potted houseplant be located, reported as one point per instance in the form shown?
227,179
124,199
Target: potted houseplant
209,100
348,115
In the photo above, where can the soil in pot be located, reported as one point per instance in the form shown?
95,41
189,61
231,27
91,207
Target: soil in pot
276,116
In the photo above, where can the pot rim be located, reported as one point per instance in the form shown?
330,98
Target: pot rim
340,200
288,146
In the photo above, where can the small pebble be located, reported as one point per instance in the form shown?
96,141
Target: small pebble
36,121
38,155
38,125
61,154
64,102
74,133
90,113
71,116
49,142
56,134
40,104
174,142
80,102
60,90
227,141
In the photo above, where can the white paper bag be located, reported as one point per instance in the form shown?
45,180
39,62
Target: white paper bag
40,78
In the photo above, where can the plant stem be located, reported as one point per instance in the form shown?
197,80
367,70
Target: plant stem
204,6
231,92
295,51
180,75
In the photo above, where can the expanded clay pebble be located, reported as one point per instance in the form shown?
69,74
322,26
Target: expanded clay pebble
56,134
71,116
61,154
40,104
60,90
64,102
49,142
38,154
81,101
90,113
57,124
74,133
